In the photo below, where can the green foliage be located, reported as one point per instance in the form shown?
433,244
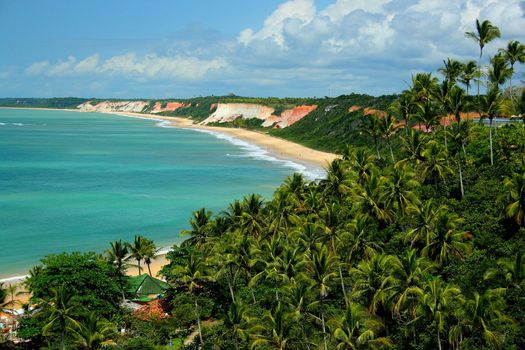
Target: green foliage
89,278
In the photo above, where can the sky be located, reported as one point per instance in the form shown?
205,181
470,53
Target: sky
180,49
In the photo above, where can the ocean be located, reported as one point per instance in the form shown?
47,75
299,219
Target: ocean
74,181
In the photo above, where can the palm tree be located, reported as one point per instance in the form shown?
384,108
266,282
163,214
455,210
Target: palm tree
61,313
423,85
403,108
92,332
512,270
362,163
446,242
137,250
483,313
469,72
3,293
361,244
413,145
515,198
399,189
274,330
514,52
200,227
295,185
11,293
320,267
424,218
371,127
490,106
459,135
237,320
191,275
388,128
118,255
435,166
427,115
336,182
499,71
250,219
369,198
150,253
452,70
436,303
485,33
355,329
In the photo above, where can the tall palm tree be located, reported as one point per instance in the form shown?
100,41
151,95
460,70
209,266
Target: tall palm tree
137,250
446,241
435,167
320,267
436,303
485,33
237,320
61,313
274,330
424,218
200,227
470,72
399,189
515,198
403,108
93,331
388,128
118,255
11,292
490,106
355,329
192,275
370,198
452,70
371,127
423,85
514,52
413,145
459,135
3,293
427,115
512,270
149,253
499,71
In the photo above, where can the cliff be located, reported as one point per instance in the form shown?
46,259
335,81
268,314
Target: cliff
228,112
114,106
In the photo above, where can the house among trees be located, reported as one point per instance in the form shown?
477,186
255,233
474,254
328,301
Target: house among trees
144,288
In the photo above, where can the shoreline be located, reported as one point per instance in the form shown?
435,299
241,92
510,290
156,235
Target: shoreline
282,150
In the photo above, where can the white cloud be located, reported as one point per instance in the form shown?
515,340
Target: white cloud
37,68
129,65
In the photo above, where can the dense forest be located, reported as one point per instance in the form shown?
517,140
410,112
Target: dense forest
413,240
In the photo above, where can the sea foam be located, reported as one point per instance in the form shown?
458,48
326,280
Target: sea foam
256,152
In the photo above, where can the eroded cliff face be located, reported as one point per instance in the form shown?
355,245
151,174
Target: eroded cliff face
170,107
114,106
227,112
289,117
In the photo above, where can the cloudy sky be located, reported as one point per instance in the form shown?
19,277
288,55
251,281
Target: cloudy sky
177,48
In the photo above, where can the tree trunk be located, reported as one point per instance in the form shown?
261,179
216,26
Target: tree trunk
138,266
490,142
439,341
446,144
343,286
149,270
324,327
231,290
464,151
461,179
198,321
467,96
377,148
391,152
479,68
62,345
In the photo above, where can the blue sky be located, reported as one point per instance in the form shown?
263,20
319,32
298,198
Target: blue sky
163,49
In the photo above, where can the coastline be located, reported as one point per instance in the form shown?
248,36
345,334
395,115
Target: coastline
282,150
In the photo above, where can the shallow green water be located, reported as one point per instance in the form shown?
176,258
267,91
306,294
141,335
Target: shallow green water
76,181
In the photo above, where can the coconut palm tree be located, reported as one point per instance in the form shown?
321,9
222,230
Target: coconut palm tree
388,129
200,227
237,319
470,72
423,85
92,332
399,189
192,274
137,250
459,135
485,33
274,330
149,253
11,292
337,180
3,293
499,71
490,106
514,52
413,145
434,167
403,108
118,255
452,70
512,270
446,241
371,127
436,303
427,114
355,329
61,313
370,199
514,198
320,266
424,218
362,163
250,219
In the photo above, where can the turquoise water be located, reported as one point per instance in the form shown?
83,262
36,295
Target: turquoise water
76,181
